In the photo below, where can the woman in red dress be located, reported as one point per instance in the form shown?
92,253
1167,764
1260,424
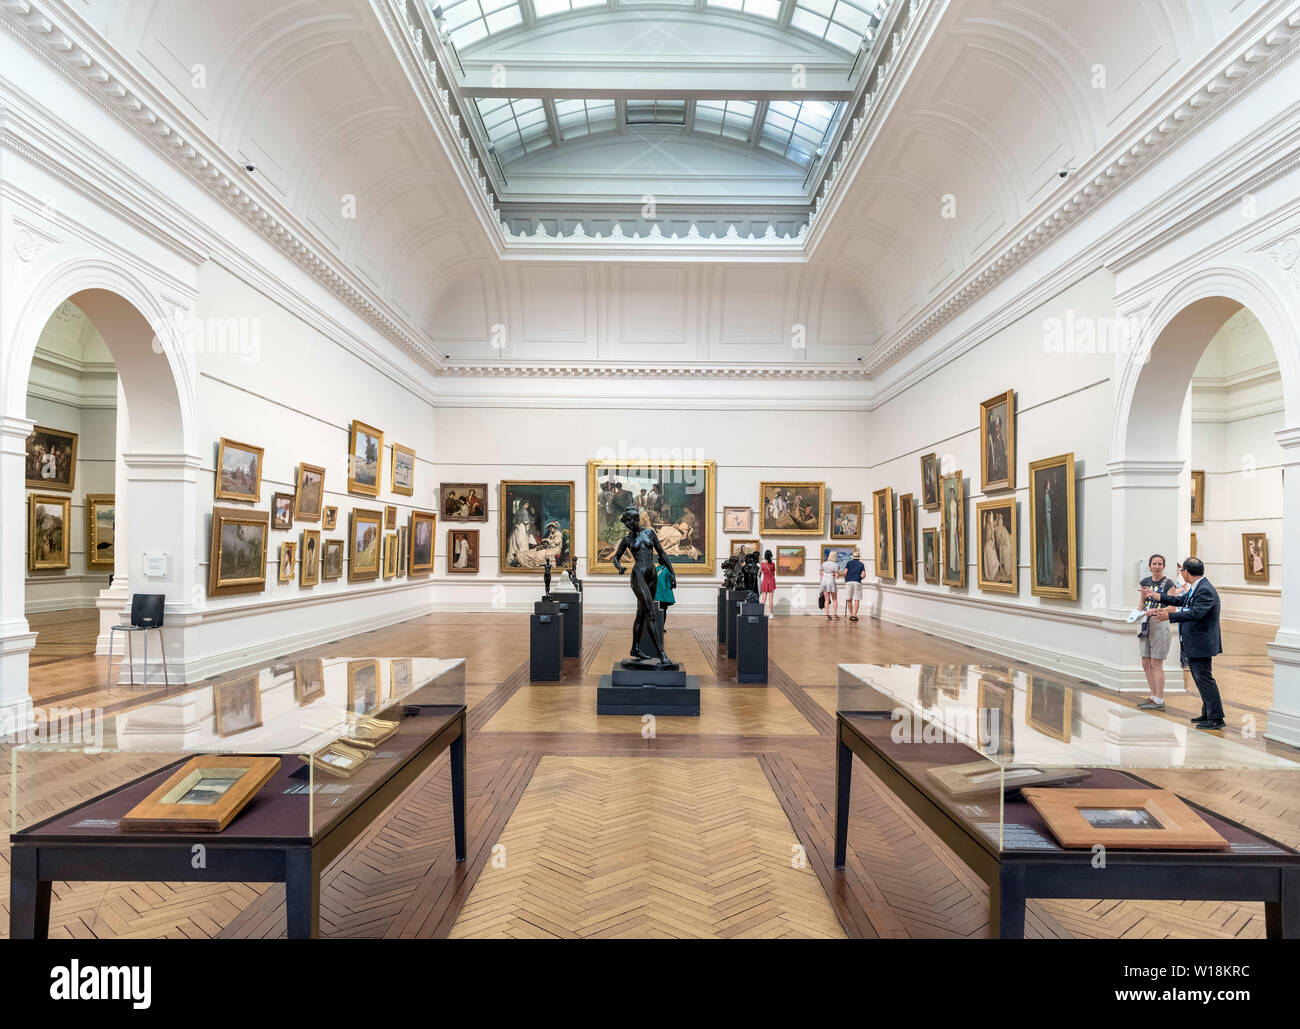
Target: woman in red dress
767,582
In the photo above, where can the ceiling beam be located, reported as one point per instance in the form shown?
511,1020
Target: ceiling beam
624,80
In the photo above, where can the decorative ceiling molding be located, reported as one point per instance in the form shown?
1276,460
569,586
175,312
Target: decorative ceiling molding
491,369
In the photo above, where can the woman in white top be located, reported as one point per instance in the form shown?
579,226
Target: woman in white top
830,571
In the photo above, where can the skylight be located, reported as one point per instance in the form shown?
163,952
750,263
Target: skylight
514,127
761,8
545,8
843,23
796,128
656,112
583,117
732,119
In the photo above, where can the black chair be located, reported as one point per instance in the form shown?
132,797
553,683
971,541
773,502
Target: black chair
146,614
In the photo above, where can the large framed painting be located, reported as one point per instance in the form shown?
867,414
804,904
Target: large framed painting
846,519
309,498
907,537
1054,570
365,544
1198,497
675,499
998,442
791,508
536,526
882,513
365,450
237,558
998,558
51,459
840,553
1254,557
463,501
952,495
931,555
930,482
310,557
99,530
239,471
462,551
48,521
402,470
790,560
423,525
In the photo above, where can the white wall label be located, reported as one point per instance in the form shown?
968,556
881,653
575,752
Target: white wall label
155,564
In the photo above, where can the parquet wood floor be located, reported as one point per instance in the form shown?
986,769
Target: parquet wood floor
607,832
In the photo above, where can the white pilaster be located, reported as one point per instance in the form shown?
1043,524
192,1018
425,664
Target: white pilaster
16,637
1284,715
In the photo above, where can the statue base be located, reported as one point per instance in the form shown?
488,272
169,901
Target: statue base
658,691
648,664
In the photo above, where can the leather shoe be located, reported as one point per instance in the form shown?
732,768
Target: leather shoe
1216,723
1196,718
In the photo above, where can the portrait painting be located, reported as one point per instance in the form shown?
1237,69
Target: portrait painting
1049,706
907,536
363,686
739,548
998,558
998,442
462,551
463,501
308,680
402,470
846,519
674,499
953,497
790,560
423,526
331,565
238,705
1053,566
99,530
365,545
841,554
930,482
791,508
737,519
48,521
51,459
882,513
365,449
1198,496
330,519
310,557
1254,557
239,471
537,526
930,555
288,560
390,516
282,511
237,558
309,497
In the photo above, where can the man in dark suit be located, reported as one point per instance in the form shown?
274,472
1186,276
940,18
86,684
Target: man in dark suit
1196,613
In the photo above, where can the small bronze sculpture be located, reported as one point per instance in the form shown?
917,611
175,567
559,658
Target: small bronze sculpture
729,571
573,578
645,547
546,579
749,573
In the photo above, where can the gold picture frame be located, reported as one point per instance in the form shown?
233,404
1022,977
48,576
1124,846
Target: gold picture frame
309,493
329,518
998,442
739,548
365,544
309,558
203,795
237,551
282,511
331,561
882,527
288,561
463,501
51,462
931,546
907,537
390,555
1047,577
49,524
101,538
1123,819
238,479
997,537
1198,496
1254,557
424,529
527,543
365,687
390,516
846,520
738,518
365,459
930,482
952,496
465,563
788,508
401,470
676,500
791,559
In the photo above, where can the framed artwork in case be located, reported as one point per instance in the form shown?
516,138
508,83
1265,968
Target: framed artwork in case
1123,819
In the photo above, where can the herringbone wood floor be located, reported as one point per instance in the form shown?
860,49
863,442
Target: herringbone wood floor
606,831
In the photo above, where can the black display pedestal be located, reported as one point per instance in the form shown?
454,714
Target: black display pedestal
647,692
734,599
751,643
545,642
570,604
722,614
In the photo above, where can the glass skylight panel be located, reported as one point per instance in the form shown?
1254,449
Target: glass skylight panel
796,128
583,117
468,21
761,8
733,119
545,8
842,23
656,112
514,127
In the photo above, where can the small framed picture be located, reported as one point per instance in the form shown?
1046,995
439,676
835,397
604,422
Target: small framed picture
882,505
288,559
998,442
238,705
1133,819
1198,496
310,564
463,501
790,560
51,459
737,519
423,526
930,482
203,795
282,511
331,565
846,519
739,548
390,516
998,559
462,551
310,493
402,470
239,471
365,448
330,519
48,524
390,555
1254,557
931,559
99,531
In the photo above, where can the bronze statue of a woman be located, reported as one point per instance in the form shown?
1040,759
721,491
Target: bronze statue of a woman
645,547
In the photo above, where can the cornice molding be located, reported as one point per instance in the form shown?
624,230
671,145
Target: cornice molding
596,370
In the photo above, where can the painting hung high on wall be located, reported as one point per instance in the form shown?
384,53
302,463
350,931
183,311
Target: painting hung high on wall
1198,497
1053,565
309,497
790,560
423,526
930,482
330,519
737,519
952,495
51,459
907,536
365,544
536,526
1254,557
282,511
674,499
239,471
99,531
791,508
998,442
48,521
846,519
463,501
237,558
365,449
930,555
402,471
462,551
882,513
997,560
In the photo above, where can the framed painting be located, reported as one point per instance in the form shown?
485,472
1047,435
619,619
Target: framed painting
401,676
1124,819
1049,707
839,553
1192,551
739,548
463,501
365,449
48,522
953,497
1198,497
791,508
931,555
238,705
536,526
390,516
1254,557
402,470
737,519
462,551
282,511
882,510
365,544
390,555
309,550
998,442
99,530
930,482
330,519
423,526
237,557
308,679
907,537
675,499
1053,560
51,459
309,495
846,519
790,560
288,560
984,778
403,549
996,718
997,560
331,561
239,471
363,686
203,795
